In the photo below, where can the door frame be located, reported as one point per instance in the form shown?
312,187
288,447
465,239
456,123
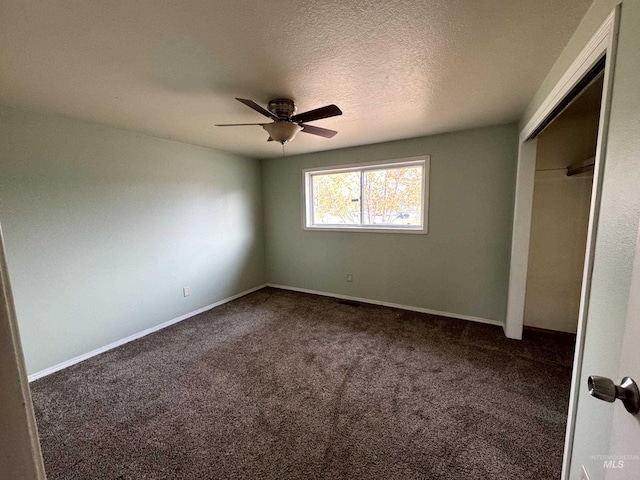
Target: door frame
20,431
602,44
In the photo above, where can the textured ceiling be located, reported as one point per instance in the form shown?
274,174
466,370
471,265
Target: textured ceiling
397,69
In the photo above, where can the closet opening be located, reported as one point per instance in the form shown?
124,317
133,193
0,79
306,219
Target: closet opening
563,185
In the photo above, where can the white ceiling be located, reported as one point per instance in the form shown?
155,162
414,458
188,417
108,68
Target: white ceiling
397,69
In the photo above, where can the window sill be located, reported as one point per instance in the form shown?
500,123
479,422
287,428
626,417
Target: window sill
335,228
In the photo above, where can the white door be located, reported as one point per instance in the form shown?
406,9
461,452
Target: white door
623,461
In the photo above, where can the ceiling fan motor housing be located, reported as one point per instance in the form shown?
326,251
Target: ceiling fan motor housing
283,108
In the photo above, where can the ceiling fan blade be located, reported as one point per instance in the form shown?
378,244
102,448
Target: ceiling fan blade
323,132
317,114
236,124
257,108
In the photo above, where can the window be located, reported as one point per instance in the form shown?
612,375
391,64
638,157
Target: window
380,197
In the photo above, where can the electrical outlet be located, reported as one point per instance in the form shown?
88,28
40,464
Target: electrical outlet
349,277
584,476
186,291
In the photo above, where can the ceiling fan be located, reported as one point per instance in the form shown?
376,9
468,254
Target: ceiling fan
286,124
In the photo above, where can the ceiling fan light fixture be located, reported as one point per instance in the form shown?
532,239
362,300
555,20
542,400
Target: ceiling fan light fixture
282,132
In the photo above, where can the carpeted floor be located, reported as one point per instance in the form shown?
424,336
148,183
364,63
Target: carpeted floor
284,385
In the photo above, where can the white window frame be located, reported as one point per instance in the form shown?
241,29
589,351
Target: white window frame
307,197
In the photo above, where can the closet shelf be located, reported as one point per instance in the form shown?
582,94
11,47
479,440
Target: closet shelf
581,167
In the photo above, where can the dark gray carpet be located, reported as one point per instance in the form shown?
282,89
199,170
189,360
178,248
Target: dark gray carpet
284,385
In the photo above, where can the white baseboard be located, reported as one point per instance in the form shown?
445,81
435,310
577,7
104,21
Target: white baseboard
389,304
135,336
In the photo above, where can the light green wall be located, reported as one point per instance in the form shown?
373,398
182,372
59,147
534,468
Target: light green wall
617,227
103,228
461,266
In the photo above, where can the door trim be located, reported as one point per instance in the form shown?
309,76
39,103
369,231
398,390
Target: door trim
602,44
20,431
